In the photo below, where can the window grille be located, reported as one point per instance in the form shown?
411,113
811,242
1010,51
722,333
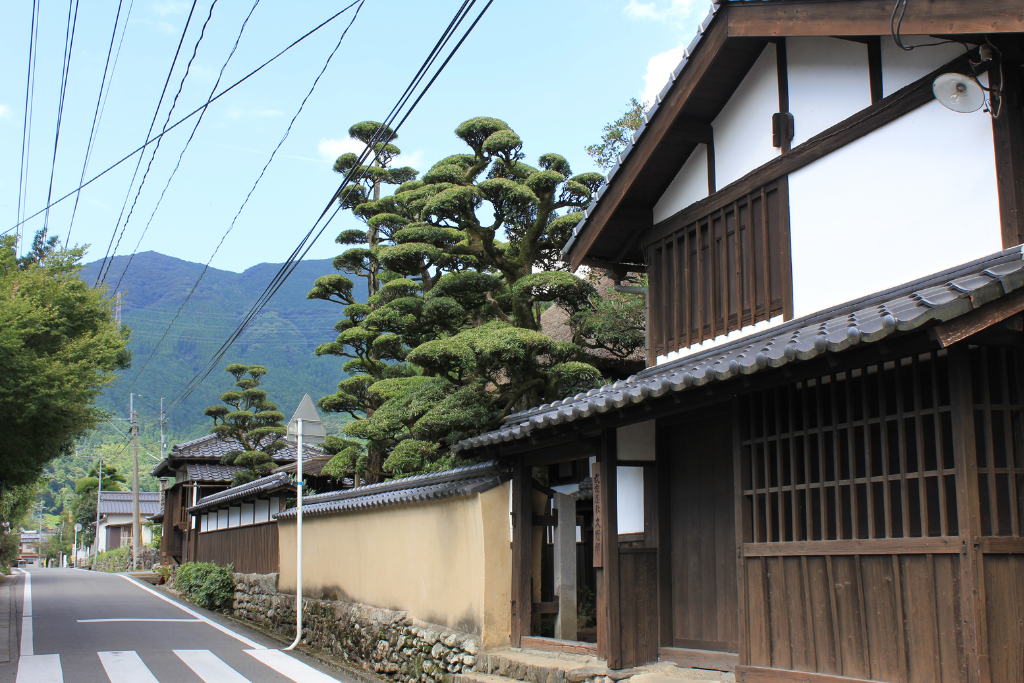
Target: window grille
996,390
865,453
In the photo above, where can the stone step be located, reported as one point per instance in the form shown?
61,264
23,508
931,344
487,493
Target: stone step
532,666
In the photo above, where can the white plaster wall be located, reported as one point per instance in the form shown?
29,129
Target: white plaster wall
900,68
828,82
635,441
630,499
689,185
743,129
914,197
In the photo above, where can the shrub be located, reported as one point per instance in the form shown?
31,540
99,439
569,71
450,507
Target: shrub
116,560
206,584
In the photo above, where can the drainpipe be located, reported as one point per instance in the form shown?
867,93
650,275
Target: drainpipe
298,535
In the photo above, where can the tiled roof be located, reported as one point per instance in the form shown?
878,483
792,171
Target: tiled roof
212,471
647,118
212,447
120,502
274,482
421,488
311,467
938,297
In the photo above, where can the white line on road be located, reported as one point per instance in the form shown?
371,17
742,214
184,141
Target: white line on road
290,667
26,619
40,669
197,615
126,667
210,667
95,621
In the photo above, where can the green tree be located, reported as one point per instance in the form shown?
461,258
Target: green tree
59,347
616,134
15,510
251,420
470,254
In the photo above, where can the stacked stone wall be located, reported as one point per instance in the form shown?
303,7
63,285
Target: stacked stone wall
387,642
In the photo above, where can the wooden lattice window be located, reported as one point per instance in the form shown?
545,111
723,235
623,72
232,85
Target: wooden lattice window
998,433
865,453
720,268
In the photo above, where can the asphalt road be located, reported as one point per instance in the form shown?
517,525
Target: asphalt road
91,627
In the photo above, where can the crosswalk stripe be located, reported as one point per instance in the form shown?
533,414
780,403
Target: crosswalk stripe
125,666
210,667
289,667
40,669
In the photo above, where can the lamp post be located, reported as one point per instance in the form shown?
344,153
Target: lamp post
78,527
304,427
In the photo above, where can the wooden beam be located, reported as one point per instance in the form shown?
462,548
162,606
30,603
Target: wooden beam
865,121
699,659
711,44
555,645
871,17
763,674
875,546
522,550
1008,143
953,331
686,130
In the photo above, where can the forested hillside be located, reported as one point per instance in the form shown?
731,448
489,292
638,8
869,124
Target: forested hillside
282,338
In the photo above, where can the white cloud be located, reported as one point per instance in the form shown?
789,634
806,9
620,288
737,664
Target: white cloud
165,7
673,10
4,111
330,149
659,68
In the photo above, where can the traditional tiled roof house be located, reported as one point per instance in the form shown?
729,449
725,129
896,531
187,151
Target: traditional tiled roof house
820,474
197,472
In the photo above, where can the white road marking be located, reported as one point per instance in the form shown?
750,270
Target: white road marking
210,667
125,666
197,615
40,669
95,621
289,667
26,619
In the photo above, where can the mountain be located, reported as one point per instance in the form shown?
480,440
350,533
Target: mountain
282,338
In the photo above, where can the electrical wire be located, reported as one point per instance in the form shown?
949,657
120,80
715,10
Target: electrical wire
26,126
299,253
253,188
152,123
156,149
69,46
96,113
182,120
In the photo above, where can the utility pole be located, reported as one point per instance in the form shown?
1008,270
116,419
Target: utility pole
136,522
99,495
163,429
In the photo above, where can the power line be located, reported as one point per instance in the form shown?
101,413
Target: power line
191,135
156,112
26,126
381,135
69,46
284,137
181,120
99,99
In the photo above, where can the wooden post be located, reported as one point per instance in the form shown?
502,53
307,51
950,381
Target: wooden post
743,530
522,550
565,566
972,591
609,628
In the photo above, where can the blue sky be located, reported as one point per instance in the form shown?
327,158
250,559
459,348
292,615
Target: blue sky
556,71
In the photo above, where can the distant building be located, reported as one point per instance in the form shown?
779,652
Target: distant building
115,510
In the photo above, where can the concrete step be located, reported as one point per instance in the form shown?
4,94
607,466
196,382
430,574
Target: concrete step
533,666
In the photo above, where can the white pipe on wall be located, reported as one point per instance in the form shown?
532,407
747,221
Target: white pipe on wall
298,537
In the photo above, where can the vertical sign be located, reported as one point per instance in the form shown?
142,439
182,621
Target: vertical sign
598,516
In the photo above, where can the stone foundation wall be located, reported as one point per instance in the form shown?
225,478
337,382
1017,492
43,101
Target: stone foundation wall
121,560
386,642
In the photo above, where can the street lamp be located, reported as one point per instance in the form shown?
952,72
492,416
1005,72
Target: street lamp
78,527
305,426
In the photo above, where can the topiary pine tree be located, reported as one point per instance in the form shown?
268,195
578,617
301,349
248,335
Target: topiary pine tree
472,250
254,422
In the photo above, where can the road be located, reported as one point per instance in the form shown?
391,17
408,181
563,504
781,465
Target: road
90,627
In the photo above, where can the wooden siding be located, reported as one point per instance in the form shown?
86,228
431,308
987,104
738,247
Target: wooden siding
250,549
725,268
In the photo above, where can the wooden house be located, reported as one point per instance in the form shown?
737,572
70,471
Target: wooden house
819,476
197,472
116,518
236,526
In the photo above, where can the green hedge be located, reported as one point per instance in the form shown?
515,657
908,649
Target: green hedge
206,584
